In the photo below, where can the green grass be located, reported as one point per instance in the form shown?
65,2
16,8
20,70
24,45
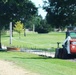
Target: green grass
41,65
34,40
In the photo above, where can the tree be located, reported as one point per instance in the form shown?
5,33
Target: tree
41,25
15,10
60,13
18,27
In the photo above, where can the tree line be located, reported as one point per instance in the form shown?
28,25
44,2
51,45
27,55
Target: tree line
60,13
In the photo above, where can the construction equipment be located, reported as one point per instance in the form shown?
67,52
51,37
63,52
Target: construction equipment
69,45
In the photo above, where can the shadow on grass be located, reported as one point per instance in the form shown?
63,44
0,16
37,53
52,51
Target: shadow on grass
40,57
5,35
2,50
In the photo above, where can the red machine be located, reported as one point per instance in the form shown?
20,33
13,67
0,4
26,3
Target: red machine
69,45
73,46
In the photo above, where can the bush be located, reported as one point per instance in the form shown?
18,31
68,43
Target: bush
43,27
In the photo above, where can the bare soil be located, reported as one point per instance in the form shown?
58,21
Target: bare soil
9,68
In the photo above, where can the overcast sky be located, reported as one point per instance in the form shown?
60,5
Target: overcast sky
40,11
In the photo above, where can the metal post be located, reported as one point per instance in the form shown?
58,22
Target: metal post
33,28
58,44
10,32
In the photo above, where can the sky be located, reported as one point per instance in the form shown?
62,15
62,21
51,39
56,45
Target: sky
40,10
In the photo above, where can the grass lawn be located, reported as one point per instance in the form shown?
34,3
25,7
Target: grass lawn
35,40
41,65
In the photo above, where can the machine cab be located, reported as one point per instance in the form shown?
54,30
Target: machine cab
72,34
71,31
70,41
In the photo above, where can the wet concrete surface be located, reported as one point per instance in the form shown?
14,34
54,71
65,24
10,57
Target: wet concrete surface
40,52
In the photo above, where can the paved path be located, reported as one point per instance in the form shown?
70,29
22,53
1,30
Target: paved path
40,52
44,53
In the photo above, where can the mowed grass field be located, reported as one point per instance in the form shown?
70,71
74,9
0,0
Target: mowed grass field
34,40
40,65
35,63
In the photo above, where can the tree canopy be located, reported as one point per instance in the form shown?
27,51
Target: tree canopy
60,13
14,10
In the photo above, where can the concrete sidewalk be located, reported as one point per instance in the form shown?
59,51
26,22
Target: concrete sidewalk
41,52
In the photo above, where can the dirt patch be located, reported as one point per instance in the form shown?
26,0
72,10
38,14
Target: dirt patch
9,68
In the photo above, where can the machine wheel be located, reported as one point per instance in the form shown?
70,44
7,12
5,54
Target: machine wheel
61,53
64,54
58,53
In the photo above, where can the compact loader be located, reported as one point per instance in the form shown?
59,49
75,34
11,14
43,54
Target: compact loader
69,45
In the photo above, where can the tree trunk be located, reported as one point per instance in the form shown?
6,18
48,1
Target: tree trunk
19,36
0,40
24,32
